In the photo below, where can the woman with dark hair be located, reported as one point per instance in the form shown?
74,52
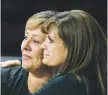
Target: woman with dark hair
76,45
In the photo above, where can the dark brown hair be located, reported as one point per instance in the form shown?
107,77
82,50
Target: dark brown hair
86,43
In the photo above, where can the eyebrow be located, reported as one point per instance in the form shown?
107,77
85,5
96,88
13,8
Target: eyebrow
35,35
50,37
38,36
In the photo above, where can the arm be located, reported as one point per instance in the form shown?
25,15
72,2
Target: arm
10,63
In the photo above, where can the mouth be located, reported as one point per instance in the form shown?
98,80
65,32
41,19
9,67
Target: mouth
26,57
45,55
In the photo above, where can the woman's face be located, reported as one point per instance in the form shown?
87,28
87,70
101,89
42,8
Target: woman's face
54,51
31,51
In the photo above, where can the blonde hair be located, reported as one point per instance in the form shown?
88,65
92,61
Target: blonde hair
38,19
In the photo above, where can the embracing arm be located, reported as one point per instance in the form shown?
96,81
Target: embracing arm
10,63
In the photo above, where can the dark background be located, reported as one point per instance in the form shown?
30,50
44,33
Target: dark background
14,14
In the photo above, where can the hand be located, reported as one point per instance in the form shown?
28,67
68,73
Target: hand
10,63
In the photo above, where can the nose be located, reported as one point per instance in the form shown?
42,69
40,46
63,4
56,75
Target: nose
44,46
26,45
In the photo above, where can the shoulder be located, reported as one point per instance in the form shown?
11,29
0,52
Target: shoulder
12,80
65,79
8,73
63,84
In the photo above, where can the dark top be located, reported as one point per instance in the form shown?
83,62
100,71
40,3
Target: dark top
63,84
14,82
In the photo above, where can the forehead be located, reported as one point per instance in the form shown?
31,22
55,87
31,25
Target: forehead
37,32
53,31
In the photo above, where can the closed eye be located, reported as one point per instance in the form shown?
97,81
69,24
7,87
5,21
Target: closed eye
36,41
50,40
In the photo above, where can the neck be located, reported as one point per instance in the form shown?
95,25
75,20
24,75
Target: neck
40,77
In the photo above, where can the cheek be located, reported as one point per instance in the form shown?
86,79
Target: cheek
61,54
37,51
55,51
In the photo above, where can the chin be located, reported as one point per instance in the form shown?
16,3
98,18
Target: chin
25,65
45,61
47,64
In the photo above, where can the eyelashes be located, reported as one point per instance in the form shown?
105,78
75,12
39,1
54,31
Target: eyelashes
33,40
50,40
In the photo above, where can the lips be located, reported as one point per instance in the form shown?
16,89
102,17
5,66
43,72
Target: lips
26,57
45,54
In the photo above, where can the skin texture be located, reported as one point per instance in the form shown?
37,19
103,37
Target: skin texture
54,51
31,51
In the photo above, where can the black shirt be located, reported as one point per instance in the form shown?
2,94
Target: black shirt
14,81
63,84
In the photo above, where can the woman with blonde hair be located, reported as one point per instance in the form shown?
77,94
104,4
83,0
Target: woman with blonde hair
28,78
